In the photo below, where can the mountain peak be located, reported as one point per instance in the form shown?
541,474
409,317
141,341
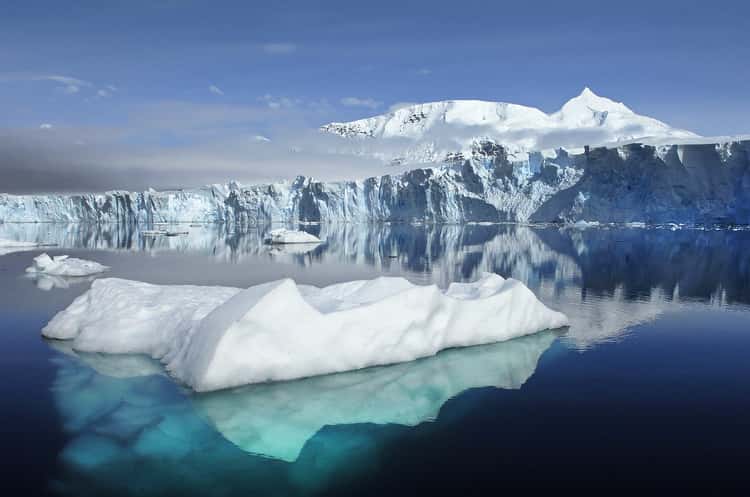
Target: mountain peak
587,93
588,101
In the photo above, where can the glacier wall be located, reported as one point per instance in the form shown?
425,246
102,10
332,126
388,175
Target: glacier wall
677,183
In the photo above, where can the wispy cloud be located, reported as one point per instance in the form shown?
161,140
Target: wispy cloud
215,90
65,84
279,48
423,71
45,126
370,103
275,102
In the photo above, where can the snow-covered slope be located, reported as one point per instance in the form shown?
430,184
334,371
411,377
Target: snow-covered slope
429,132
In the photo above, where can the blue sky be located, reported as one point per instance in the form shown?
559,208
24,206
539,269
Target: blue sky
171,73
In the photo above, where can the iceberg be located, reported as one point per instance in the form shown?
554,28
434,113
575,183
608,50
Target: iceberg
211,338
284,236
63,265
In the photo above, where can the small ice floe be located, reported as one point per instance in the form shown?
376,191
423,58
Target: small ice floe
10,246
63,265
212,338
282,235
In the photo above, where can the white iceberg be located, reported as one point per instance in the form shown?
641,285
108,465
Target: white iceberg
282,235
11,246
282,331
63,265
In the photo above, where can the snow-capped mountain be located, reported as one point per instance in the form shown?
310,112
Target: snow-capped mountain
430,132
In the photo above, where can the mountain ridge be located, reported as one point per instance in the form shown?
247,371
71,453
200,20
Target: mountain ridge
427,132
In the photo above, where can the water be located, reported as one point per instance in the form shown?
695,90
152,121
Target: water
648,388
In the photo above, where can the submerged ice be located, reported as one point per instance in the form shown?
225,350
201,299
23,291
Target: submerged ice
212,338
278,419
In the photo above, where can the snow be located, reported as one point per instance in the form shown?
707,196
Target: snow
63,265
212,338
282,235
428,132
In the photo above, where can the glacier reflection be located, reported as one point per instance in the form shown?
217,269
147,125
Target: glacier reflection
605,279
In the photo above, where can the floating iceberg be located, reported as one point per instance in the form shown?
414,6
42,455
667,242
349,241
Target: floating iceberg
63,265
215,338
283,235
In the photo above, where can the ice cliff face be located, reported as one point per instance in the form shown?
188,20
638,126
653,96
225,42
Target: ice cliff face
679,183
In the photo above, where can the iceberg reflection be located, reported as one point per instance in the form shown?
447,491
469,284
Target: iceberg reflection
121,411
277,419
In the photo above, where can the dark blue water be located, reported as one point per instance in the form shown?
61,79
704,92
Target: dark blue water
648,390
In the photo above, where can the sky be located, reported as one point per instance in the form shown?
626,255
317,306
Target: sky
102,95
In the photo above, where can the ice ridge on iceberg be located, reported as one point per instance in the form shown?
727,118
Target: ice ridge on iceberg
217,338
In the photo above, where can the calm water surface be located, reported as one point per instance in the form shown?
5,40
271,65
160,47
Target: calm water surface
649,388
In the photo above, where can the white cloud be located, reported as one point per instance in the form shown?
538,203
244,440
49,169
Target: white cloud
274,102
279,48
370,103
68,85
45,126
215,90
65,84
423,71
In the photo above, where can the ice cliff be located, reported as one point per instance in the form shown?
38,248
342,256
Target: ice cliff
699,183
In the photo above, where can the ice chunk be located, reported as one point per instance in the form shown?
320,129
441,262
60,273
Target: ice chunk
62,265
283,235
282,331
